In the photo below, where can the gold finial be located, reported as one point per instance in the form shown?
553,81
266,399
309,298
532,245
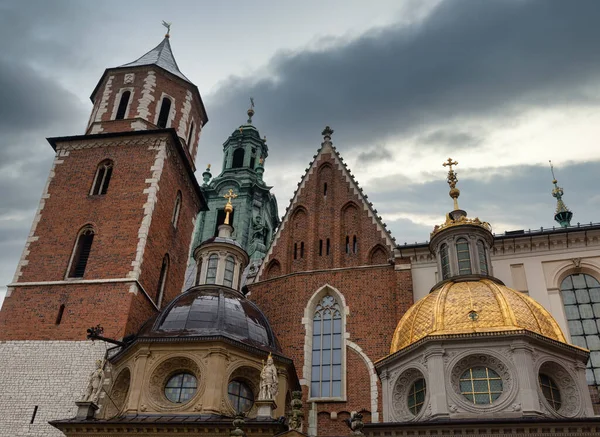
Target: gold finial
208,167
452,180
554,181
250,111
168,26
229,206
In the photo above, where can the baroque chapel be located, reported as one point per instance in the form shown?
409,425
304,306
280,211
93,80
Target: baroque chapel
146,302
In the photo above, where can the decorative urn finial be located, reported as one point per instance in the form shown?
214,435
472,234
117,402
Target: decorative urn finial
207,175
250,111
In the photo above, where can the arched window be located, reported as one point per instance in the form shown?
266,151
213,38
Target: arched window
354,245
464,258
191,137
581,297
162,281
238,158
302,249
326,363
211,271
229,269
445,260
328,247
102,178
295,250
123,105
483,266
347,244
253,159
320,247
198,271
81,252
325,189
176,209
165,108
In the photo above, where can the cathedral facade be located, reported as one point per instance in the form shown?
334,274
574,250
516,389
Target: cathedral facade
145,302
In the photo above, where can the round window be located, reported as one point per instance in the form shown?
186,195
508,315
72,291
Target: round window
416,396
480,385
240,395
550,391
181,388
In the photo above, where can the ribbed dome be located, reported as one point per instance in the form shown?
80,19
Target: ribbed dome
213,311
470,307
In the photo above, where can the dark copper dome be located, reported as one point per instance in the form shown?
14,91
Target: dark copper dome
211,311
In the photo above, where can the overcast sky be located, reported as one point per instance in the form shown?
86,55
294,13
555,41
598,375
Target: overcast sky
501,86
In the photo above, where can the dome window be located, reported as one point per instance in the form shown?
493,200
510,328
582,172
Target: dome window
211,272
480,385
240,396
483,266
416,396
229,269
445,259
181,388
464,257
550,391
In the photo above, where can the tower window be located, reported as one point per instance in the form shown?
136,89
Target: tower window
162,280
325,189
165,108
326,368
211,271
327,248
320,247
483,266
445,260
81,253
347,244
191,137
464,257
253,159
302,249
102,178
238,158
176,209
123,105
59,317
229,269
354,244
295,250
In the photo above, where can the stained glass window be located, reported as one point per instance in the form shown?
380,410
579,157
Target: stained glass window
581,298
480,385
181,388
464,257
326,372
416,396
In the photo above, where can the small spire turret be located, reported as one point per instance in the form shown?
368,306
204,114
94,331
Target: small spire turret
563,215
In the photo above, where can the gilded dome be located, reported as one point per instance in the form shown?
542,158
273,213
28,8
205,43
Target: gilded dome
474,306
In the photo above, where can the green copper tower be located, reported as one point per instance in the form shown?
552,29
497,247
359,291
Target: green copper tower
255,216
563,215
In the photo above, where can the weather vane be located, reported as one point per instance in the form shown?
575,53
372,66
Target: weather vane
168,26
252,102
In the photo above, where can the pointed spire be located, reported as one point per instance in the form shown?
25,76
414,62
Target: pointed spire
563,215
161,56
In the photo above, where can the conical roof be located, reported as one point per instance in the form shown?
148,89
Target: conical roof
161,56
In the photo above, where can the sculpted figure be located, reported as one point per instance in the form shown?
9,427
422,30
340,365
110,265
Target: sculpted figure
268,381
96,378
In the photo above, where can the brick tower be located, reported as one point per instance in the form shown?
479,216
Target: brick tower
109,241
328,276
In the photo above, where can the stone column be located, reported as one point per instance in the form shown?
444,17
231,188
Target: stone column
213,393
386,393
434,359
526,379
137,381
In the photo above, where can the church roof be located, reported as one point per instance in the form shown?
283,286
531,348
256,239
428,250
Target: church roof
161,56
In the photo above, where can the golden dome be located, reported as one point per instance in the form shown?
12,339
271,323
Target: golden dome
470,307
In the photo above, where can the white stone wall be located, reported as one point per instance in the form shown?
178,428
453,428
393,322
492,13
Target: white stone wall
49,374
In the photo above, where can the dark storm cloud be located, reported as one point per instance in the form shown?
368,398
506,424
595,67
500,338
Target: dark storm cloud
519,195
467,59
448,139
374,154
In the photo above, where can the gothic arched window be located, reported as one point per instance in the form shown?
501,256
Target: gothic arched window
229,269
165,108
123,105
464,257
176,209
211,271
162,281
238,158
581,297
483,266
81,252
102,178
445,260
326,371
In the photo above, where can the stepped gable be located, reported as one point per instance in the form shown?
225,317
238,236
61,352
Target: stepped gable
328,214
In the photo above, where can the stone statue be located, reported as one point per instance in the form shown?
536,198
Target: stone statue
296,415
268,381
95,385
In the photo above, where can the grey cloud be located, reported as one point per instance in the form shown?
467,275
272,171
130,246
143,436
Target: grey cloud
448,139
374,154
467,59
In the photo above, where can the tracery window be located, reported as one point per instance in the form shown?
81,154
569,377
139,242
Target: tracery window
483,266
102,178
445,259
229,269
181,387
211,270
326,372
81,252
464,257
581,298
